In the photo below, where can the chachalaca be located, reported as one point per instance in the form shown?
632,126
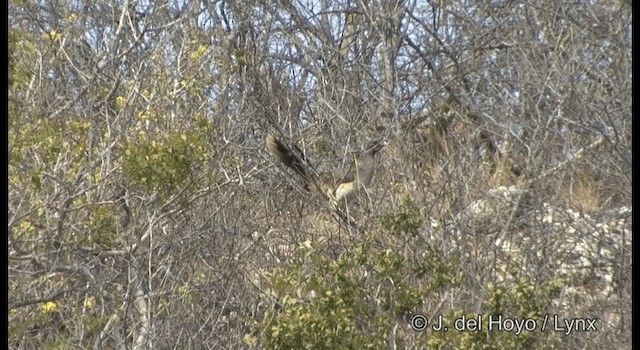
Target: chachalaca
356,180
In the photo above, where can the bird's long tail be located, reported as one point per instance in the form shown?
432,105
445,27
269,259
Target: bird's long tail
293,159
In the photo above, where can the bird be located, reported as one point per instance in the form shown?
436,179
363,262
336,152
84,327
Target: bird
350,186
294,159
360,176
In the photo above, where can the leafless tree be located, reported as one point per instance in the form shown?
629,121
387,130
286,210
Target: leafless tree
145,211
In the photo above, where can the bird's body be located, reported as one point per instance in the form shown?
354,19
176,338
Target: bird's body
352,184
360,176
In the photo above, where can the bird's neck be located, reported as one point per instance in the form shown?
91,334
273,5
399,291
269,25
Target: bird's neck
367,169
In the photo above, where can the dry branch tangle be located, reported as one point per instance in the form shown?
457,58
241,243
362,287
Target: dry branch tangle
590,255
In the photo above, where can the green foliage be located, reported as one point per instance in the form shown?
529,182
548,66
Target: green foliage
164,161
43,146
406,220
50,324
438,271
347,303
24,321
35,146
102,226
188,294
353,302
21,55
21,51
95,323
59,343
520,300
